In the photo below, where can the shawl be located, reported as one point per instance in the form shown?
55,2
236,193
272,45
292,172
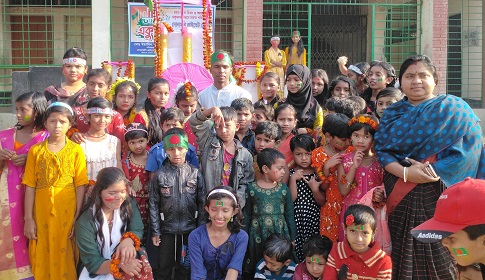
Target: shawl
444,126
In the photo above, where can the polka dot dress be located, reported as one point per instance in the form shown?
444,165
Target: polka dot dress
307,214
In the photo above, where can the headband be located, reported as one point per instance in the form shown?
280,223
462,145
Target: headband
175,140
355,69
135,127
224,192
221,57
60,104
364,120
295,33
74,60
275,38
97,110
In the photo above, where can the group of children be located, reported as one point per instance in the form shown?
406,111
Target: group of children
286,173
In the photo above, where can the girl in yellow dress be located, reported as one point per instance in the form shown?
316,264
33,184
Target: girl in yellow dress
275,60
296,53
55,178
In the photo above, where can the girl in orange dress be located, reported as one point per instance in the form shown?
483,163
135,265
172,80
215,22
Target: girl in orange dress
325,160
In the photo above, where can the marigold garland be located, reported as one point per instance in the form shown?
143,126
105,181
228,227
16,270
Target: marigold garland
130,70
364,120
188,87
120,66
168,26
344,181
113,267
207,33
157,40
239,71
71,132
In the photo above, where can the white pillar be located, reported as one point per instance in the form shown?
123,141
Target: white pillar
101,26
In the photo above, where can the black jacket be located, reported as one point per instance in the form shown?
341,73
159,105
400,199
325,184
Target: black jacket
177,197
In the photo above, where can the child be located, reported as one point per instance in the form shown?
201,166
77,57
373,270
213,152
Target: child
186,99
316,250
285,116
177,194
342,87
359,171
269,86
224,161
458,223
134,163
125,100
381,75
170,118
276,262
470,272
320,86
217,248
275,60
262,112
14,146
267,135
98,84
269,208
157,97
100,148
357,256
72,91
296,52
55,176
305,191
308,112
359,105
385,98
325,160
357,73
340,105
245,110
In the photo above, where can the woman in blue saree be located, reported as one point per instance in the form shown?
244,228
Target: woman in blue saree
419,131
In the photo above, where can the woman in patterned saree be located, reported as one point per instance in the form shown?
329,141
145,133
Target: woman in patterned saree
426,143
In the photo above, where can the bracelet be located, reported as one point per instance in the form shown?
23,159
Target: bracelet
405,177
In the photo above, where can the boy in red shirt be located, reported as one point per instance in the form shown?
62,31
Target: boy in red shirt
358,256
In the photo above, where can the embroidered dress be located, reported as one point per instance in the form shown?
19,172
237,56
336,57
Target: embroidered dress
366,178
277,56
57,93
307,214
136,174
55,177
293,58
100,155
267,211
446,127
330,212
15,263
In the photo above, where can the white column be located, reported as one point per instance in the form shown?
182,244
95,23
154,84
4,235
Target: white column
101,26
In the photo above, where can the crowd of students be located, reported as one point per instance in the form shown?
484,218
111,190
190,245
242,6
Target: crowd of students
285,188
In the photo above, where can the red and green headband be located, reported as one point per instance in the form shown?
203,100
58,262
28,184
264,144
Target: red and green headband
221,57
175,140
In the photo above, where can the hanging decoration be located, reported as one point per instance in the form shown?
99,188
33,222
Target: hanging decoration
207,32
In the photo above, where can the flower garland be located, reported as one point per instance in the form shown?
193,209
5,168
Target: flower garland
364,120
188,88
157,40
239,71
168,26
120,66
207,33
130,70
344,181
113,267
71,131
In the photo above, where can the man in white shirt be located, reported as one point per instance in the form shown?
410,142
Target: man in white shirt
222,92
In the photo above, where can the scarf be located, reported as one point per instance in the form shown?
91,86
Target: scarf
107,250
302,99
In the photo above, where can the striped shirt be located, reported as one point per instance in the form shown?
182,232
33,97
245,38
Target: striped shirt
373,264
263,272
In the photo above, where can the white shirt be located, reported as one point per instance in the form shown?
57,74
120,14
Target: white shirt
213,97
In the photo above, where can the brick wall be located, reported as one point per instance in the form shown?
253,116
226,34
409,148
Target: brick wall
254,30
440,41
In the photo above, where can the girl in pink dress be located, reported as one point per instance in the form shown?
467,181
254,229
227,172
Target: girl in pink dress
359,171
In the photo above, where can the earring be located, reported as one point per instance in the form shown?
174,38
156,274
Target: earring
209,218
232,219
